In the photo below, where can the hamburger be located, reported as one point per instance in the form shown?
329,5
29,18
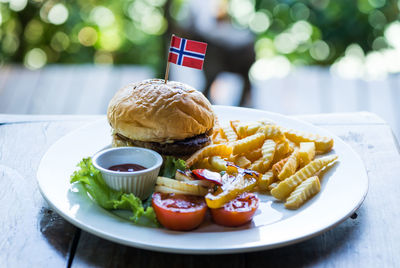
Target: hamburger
172,119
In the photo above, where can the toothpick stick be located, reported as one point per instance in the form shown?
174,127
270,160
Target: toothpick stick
166,73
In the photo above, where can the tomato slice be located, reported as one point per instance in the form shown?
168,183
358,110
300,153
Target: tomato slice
236,212
205,174
179,212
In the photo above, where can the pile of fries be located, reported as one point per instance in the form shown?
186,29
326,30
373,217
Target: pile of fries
284,159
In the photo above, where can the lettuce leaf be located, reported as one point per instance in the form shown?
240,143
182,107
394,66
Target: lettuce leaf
93,184
170,165
141,215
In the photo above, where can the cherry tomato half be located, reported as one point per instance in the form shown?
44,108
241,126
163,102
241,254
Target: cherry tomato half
179,212
236,212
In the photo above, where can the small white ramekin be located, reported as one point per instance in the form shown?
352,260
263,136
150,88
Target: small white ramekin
140,183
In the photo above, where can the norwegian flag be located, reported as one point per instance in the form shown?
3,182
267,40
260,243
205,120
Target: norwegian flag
187,53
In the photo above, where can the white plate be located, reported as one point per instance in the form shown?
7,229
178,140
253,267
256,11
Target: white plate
343,189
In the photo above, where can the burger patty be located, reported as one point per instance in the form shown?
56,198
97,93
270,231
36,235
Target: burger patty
187,146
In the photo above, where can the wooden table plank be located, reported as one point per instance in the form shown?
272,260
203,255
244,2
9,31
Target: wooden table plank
93,251
31,233
27,119
342,119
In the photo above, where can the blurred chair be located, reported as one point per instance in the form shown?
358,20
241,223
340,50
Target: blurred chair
229,49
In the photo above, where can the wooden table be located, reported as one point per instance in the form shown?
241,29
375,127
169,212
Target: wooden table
33,235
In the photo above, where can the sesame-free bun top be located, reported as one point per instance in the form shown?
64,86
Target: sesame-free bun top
153,111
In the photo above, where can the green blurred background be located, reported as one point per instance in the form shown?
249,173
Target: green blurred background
362,34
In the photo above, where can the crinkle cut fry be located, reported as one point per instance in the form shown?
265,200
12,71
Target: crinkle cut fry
217,163
303,193
306,152
248,143
266,180
268,152
277,167
229,134
290,167
222,150
272,132
322,143
285,187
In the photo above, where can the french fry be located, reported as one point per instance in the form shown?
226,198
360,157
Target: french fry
241,161
293,146
272,186
229,134
222,150
216,132
277,167
247,129
285,187
306,152
203,164
268,151
253,155
253,128
258,166
323,144
184,186
282,149
290,166
184,175
272,132
234,124
167,190
303,192
249,143
262,156
218,139
266,180
217,163
216,136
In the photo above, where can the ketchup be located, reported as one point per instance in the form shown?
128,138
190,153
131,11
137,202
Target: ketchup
126,167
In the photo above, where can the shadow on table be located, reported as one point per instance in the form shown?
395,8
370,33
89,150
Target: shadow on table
58,232
94,251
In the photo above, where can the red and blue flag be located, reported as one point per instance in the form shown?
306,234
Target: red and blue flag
187,53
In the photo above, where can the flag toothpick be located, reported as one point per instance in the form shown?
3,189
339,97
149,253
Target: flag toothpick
166,73
185,52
